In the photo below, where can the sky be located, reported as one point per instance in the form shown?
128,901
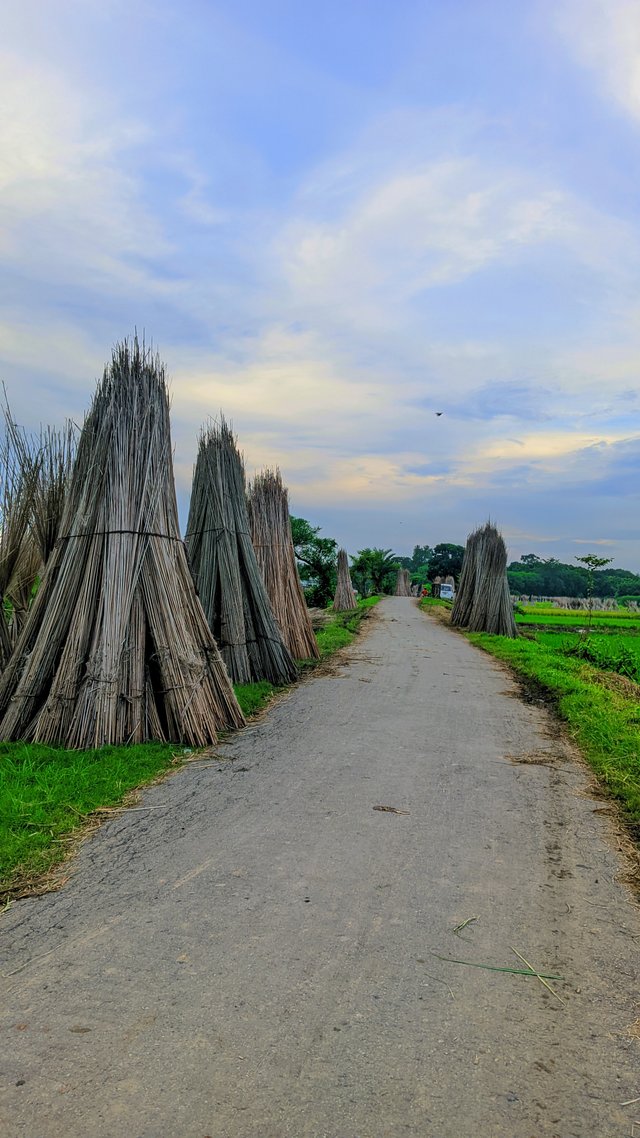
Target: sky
334,220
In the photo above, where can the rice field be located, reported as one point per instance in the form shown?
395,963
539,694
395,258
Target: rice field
546,615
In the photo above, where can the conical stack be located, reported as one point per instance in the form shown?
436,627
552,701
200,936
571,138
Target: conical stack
268,505
116,647
483,602
46,465
345,598
225,568
403,583
19,562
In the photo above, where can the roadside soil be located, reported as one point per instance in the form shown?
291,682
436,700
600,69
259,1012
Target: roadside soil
256,950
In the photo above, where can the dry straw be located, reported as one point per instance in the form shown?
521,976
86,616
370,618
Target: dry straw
45,470
268,505
116,647
403,583
225,568
18,475
483,603
345,598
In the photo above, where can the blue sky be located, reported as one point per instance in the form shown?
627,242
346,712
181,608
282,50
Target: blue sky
334,220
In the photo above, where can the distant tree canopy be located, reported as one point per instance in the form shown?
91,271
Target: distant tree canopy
418,563
445,561
317,561
374,571
535,576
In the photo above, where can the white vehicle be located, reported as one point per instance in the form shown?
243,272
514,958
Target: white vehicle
446,593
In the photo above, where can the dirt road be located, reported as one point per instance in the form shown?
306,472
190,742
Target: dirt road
252,955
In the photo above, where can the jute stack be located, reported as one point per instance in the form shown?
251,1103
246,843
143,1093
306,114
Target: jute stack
403,583
56,455
116,647
483,602
46,466
270,524
345,598
19,561
225,568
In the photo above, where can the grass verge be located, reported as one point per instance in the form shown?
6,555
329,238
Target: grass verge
48,794
604,723
342,627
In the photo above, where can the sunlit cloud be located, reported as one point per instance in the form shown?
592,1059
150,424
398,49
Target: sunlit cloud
330,282
604,35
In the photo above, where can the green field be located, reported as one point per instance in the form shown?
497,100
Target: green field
544,615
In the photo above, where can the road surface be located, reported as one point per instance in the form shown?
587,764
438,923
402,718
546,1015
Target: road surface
257,952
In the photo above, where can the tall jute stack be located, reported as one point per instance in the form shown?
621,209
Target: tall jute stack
18,555
46,464
483,602
56,456
345,598
225,568
403,583
116,647
270,524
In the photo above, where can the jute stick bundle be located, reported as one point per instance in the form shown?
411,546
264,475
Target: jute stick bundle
403,583
116,647
483,602
19,563
56,455
268,504
225,568
46,467
345,598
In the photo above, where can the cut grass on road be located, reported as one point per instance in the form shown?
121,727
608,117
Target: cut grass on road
47,794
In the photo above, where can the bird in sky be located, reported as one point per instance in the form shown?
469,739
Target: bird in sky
438,413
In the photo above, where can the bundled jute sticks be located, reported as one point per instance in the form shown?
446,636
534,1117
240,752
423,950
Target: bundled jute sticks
345,598
45,471
116,647
483,602
225,568
403,583
268,504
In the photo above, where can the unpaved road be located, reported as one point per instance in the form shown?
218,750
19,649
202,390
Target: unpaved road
252,955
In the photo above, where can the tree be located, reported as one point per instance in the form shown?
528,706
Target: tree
446,561
317,557
592,562
374,571
418,564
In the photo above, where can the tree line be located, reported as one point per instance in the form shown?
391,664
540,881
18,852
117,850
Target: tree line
374,570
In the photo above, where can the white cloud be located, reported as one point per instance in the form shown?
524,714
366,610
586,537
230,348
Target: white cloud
371,265
604,35
72,210
417,230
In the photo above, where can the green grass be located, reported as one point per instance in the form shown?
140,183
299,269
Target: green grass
604,723
48,793
253,697
342,627
608,651
561,618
